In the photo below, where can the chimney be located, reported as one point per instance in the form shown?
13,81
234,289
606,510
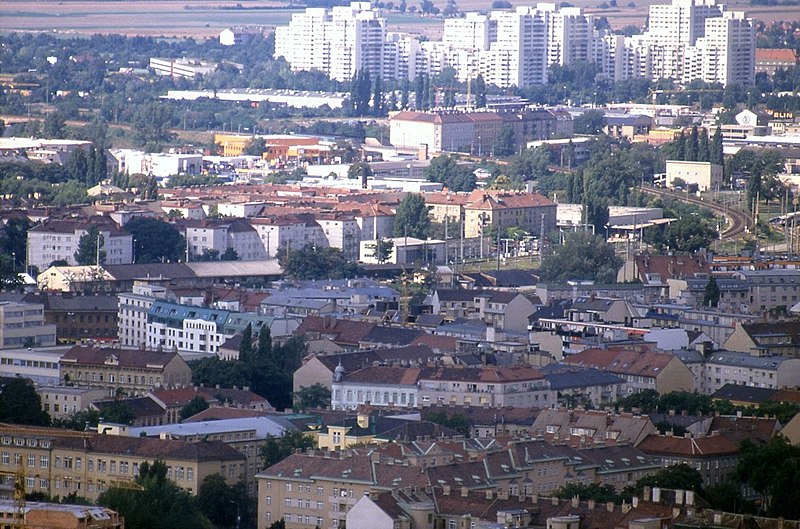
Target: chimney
446,490
610,506
591,504
656,495
422,153
489,494
464,492
502,494
646,494
626,507
679,497
554,501
576,501
635,502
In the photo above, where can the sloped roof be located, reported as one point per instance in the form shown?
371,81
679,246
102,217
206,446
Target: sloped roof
688,446
152,448
787,55
134,358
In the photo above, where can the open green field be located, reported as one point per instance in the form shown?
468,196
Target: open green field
206,18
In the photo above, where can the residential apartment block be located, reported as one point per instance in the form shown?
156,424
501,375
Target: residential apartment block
23,325
57,240
60,462
125,371
685,40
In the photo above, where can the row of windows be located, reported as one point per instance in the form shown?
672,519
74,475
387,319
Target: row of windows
112,379
28,363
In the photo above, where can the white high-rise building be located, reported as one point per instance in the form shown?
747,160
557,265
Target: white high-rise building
571,36
685,40
468,33
682,21
338,42
517,55
726,54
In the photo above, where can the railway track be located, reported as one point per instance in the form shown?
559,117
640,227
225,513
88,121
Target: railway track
737,221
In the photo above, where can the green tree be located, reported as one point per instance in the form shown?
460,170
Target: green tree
69,193
193,407
311,262
156,241
118,412
13,240
246,347
378,106
590,122
359,170
680,476
715,148
226,506
255,147
712,293
505,144
592,491
309,397
582,256
772,470
150,124
265,350
229,255
77,165
446,170
20,404
411,218
404,93
90,248
276,449
479,90
55,126
360,93
383,250
455,421
160,504
689,235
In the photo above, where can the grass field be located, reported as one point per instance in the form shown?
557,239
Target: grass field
206,18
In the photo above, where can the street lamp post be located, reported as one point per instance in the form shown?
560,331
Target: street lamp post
238,514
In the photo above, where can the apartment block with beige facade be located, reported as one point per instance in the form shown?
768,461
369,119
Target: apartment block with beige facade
486,386
127,371
62,402
61,462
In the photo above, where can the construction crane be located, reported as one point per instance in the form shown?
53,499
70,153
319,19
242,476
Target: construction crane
18,479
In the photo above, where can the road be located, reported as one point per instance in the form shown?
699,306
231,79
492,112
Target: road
737,221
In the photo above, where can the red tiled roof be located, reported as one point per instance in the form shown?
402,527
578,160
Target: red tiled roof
643,363
714,445
776,54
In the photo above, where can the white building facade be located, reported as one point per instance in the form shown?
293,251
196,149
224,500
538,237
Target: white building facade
685,40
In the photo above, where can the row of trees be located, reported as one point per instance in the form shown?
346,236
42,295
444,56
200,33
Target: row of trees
265,367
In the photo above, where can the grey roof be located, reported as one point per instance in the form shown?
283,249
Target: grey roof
689,356
391,335
560,377
744,393
456,294
733,358
129,272
101,302
264,426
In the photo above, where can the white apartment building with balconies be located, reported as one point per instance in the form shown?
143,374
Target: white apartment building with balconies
22,325
685,40
56,240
